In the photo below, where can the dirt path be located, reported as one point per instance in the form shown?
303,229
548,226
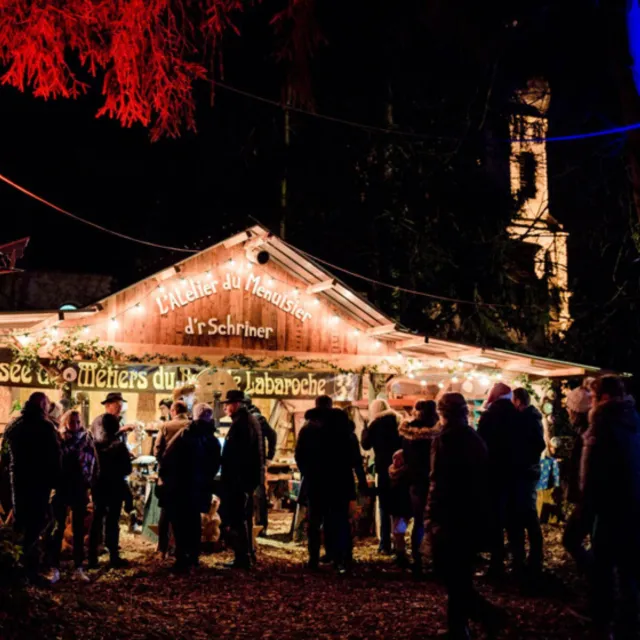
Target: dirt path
278,600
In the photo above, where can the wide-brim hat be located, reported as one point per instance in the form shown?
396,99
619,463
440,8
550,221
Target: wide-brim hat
115,396
233,395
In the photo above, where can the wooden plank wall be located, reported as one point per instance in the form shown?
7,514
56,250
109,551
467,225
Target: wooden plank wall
318,334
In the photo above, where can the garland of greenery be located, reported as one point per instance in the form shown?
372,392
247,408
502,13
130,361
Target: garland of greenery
72,348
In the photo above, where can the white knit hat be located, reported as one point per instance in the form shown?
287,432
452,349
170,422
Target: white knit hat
579,400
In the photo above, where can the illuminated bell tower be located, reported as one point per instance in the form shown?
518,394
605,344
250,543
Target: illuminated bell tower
534,223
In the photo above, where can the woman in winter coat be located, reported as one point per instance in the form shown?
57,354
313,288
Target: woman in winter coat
382,436
457,512
417,436
79,472
580,522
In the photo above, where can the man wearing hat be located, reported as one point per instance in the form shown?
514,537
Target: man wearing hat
241,465
113,405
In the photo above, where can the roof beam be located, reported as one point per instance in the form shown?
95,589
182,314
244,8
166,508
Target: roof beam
380,330
320,286
411,343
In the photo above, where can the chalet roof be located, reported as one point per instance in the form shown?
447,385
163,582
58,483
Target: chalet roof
325,285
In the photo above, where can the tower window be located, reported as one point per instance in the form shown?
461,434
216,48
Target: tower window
528,187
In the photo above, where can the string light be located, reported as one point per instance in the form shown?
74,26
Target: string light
161,288
296,292
441,385
334,320
270,282
23,340
208,273
139,308
85,329
231,263
114,322
441,364
356,332
423,383
377,344
316,302
455,379
54,332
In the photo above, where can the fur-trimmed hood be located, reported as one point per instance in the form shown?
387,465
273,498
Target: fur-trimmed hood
414,430
388,412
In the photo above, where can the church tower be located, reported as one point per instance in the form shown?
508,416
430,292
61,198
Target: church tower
534,223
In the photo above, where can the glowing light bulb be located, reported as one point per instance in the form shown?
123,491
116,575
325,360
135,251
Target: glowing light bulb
356,332
484,381
295,293
139,308
334,320
54,332
270,282
208,273
114,323
441,385
499,376
232,263
454,379
23,340
441,364
183,281
377,344
423,383
412,375
85,329
316,302
161,288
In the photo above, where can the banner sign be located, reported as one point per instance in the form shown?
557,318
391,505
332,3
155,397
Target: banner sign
139,378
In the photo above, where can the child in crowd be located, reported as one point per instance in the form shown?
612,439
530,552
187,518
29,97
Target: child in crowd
400,507
549,502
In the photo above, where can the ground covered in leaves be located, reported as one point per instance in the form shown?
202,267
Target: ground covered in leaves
277,600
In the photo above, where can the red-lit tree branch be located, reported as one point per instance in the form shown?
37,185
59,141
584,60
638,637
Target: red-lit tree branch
149,53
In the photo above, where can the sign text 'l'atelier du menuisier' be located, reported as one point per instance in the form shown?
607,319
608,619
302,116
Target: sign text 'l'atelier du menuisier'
192,290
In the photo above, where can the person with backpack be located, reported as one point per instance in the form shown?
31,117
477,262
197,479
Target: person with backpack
189,467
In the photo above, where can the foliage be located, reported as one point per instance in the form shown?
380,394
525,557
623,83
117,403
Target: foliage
60,353
148,54
10,555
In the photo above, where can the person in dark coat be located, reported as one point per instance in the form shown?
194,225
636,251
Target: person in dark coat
114,464
189,467
168,431
382,436
417,436
31,453
580,522
113,405
240,476
78,476
456,512
327,455
497,426
268,444
522,506
610,484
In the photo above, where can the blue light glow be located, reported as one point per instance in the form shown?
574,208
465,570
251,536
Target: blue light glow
633,28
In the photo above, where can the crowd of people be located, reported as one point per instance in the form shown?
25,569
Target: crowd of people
457,488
